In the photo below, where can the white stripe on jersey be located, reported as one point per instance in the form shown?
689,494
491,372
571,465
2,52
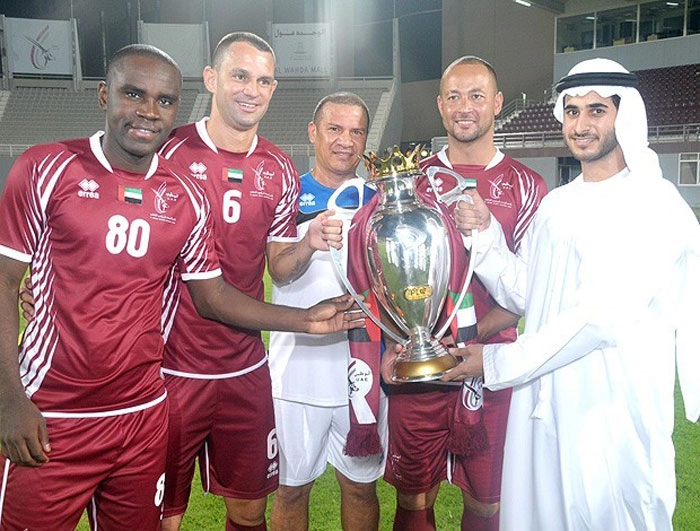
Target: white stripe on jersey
528,206
15,255
41,335
102,414
171,300
284,239
3,488
170,147
198,376
203,275
46,194
290,196
36,217
194,256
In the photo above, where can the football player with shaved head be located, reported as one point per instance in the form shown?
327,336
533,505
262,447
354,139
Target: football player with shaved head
457,433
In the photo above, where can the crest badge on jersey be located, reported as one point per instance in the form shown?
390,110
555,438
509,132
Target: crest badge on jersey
500,191
262,176
161,203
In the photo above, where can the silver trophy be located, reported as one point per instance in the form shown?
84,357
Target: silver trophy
409,260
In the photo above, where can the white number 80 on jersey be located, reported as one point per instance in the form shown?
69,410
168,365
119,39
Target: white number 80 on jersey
132,236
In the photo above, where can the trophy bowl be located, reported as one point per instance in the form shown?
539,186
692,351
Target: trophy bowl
408,256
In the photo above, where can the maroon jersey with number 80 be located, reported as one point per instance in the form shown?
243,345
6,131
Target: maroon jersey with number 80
101,243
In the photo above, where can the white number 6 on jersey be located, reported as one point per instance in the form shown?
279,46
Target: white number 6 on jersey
272,444
231,206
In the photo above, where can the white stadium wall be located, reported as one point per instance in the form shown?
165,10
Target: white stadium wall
188,44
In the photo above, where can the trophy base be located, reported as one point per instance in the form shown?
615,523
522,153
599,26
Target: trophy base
423,370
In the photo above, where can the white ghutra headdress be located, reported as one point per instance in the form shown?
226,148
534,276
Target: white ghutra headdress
608,78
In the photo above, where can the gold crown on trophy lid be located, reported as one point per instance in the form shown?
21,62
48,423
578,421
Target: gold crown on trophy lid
393,163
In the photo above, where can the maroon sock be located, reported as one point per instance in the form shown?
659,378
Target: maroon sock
233,526
472,522
406,520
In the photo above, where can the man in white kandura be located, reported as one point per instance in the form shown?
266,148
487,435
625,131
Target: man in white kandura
607,275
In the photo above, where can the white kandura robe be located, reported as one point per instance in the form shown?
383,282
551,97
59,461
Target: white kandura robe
609,278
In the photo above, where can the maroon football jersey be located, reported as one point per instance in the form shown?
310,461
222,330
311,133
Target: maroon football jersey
512,192
254,199
102,243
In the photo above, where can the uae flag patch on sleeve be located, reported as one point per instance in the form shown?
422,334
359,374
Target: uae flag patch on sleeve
232,175
130,195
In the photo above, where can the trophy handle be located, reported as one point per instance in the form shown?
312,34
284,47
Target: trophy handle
449,197
338,258
357,183
457,193
345,214
338,263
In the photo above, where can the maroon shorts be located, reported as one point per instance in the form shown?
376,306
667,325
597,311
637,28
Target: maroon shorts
230,425
112,466
419,421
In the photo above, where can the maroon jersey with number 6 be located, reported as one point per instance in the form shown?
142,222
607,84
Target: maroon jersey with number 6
254,199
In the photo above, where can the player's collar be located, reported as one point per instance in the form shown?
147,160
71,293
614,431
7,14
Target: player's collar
201,127
496,159
96,148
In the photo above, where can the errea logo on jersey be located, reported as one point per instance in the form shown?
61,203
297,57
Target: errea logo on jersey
198,170
307,200
88,188
438,182
273,469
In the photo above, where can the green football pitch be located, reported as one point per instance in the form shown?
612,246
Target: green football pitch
207,512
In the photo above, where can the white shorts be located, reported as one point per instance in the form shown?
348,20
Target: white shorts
310,437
